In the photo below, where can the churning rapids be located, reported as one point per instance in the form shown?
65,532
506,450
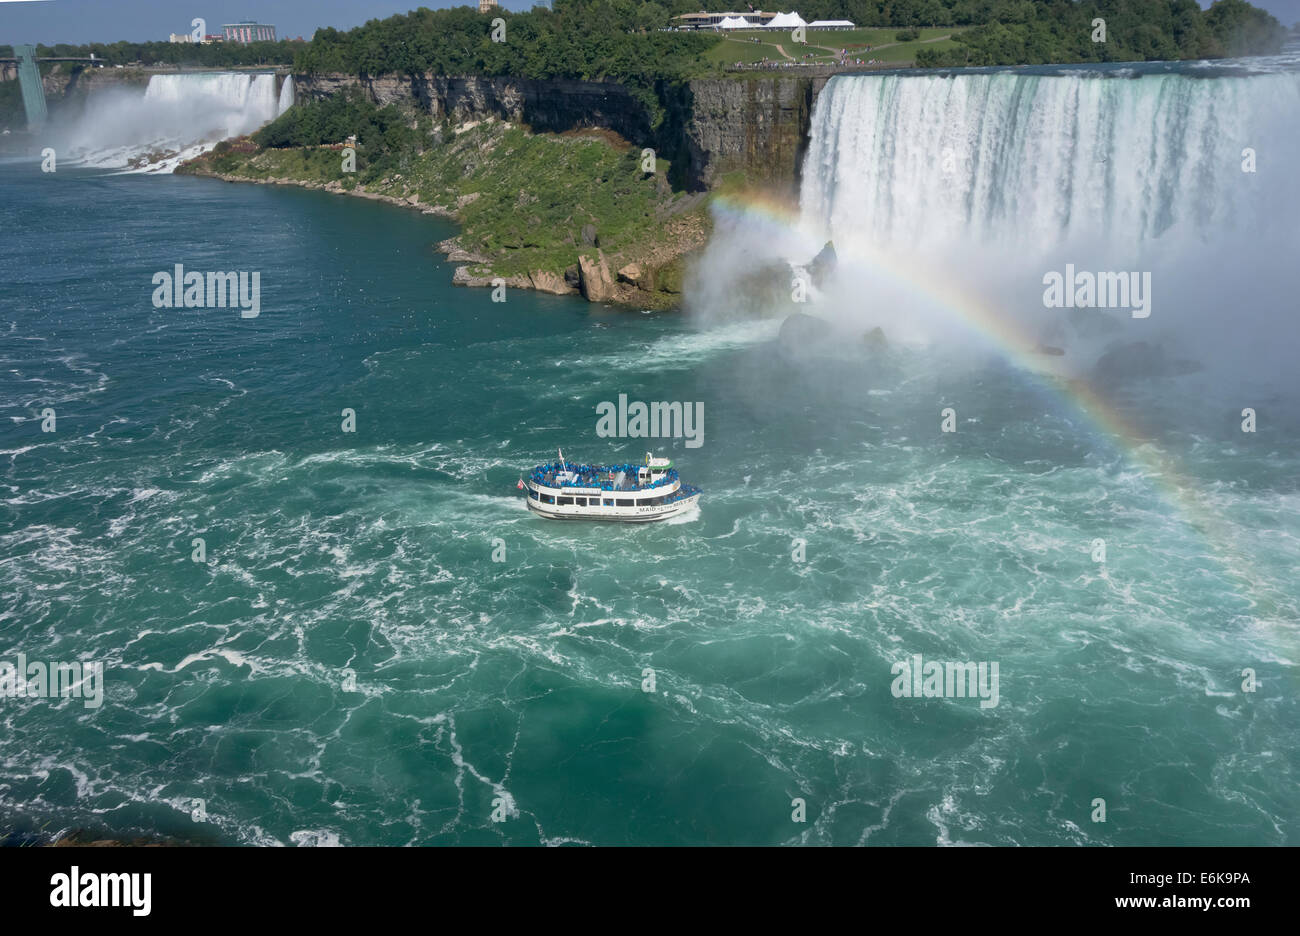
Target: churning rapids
381,645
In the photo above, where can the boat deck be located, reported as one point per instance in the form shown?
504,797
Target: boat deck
601,477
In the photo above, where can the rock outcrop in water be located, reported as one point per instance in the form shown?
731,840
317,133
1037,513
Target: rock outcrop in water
547,282
803,334
801,331
822,265
1139,359
594,280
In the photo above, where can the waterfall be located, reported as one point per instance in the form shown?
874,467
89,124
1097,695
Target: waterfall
1031,161
286,95
954,201
177,117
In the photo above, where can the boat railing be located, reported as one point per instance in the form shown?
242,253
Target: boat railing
589,476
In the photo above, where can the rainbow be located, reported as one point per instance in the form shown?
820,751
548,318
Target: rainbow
1176,488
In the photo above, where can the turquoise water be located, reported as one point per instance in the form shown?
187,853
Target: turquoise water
351,665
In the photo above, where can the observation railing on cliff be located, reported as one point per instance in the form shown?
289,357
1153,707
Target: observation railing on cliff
814,69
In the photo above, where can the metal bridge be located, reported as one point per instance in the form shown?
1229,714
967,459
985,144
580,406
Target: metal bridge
29,76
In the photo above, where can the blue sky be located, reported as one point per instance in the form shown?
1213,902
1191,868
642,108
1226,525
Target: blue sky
78,21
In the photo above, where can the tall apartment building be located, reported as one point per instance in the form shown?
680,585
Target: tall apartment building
245,33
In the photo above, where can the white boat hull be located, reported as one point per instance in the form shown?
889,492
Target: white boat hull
643,514
621,493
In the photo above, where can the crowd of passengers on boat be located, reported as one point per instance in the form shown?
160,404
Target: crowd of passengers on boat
602,477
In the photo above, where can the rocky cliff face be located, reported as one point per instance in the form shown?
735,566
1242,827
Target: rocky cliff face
758,126
711,127
546,106
68,87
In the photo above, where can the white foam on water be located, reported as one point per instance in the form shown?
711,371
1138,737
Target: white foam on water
689,515
176,118
681,351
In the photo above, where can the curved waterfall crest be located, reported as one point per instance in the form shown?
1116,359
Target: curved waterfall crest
177,117
1024,159
286,95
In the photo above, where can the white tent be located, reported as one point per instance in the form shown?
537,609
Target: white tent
734,22
830,24
786,21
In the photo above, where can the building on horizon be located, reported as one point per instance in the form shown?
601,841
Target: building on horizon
186,37
244,33
487,6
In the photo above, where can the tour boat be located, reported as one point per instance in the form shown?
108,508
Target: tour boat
630,493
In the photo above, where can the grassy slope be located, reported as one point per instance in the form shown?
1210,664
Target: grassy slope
523,199
825,45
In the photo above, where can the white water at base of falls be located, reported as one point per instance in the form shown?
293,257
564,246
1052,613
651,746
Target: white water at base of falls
952,199
178,117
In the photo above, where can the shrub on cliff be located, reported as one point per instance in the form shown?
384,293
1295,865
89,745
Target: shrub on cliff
211,55
1241,29
379,130
579,39
1140,30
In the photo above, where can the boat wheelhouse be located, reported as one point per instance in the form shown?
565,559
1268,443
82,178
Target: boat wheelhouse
630,493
